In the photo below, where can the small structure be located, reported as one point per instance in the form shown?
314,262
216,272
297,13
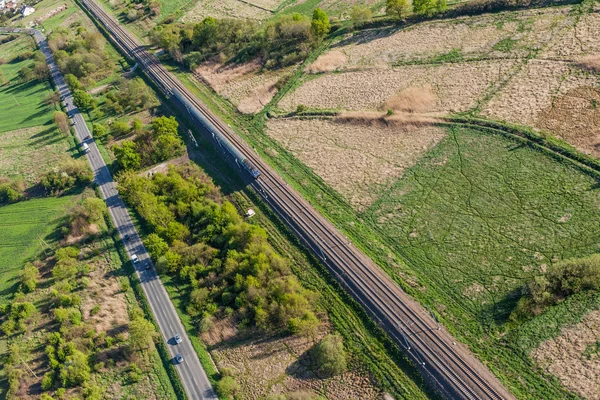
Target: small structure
250,213
26,10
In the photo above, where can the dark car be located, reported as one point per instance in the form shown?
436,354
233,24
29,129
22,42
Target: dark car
126,237
148,266
179,358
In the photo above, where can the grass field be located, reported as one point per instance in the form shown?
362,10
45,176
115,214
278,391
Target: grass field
21,104
23,225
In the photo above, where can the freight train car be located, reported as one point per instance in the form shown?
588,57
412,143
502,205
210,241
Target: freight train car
217,135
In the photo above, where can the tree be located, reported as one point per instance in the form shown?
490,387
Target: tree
428,7
320,25
141,333
75,371
29,277
156,245
72,81
227,387
137,125
397,8
127,155
100,131
84,100
330,355
95,209
165,126
61,120
118,128
360,15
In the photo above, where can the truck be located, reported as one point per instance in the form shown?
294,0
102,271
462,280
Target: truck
85,147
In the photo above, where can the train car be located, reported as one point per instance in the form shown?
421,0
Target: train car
218,136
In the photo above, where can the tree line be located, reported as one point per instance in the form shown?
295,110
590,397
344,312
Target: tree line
283,41
231,269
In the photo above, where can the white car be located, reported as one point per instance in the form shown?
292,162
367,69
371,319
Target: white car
177,338
135,259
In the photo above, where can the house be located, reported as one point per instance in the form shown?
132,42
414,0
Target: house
26,10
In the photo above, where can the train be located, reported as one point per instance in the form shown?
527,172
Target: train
240,159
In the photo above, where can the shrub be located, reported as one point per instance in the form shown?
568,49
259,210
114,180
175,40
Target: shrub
561,280
95,310
227,386
330,355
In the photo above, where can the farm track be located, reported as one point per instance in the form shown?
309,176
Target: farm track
449,367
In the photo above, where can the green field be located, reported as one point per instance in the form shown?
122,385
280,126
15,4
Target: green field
21,104
23,225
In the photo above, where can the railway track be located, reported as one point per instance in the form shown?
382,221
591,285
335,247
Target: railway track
448,366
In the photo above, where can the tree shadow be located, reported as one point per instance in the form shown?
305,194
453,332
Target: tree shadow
499,312
303,368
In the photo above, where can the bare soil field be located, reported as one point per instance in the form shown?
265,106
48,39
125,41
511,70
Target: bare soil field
534,89
356,159
472,37
573,357
581,39
275,365
457,86
227,9
248,88
574,117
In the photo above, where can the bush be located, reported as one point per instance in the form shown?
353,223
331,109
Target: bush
330,356
227,386
561,280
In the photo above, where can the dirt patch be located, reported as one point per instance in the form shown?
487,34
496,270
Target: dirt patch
245,85
573,357
590,63
164,167
267,365
357,160
579,40
457,86
218,75
412,99
534,89
327,62
259,98
575,117
104,291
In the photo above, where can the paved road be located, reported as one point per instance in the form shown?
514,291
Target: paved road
195,380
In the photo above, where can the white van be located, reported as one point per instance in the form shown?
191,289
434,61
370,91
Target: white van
85,147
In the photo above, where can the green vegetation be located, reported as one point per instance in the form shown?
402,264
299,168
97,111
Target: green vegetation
25,228
81,53
72,350
280,42
560,281
22,97
397,8
228,262
330,355
69,174
505,45
159,144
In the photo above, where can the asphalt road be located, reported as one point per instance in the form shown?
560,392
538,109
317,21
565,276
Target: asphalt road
193,376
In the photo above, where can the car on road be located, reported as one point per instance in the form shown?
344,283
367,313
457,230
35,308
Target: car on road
179,358
148,266
126,238
135,259
177,338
